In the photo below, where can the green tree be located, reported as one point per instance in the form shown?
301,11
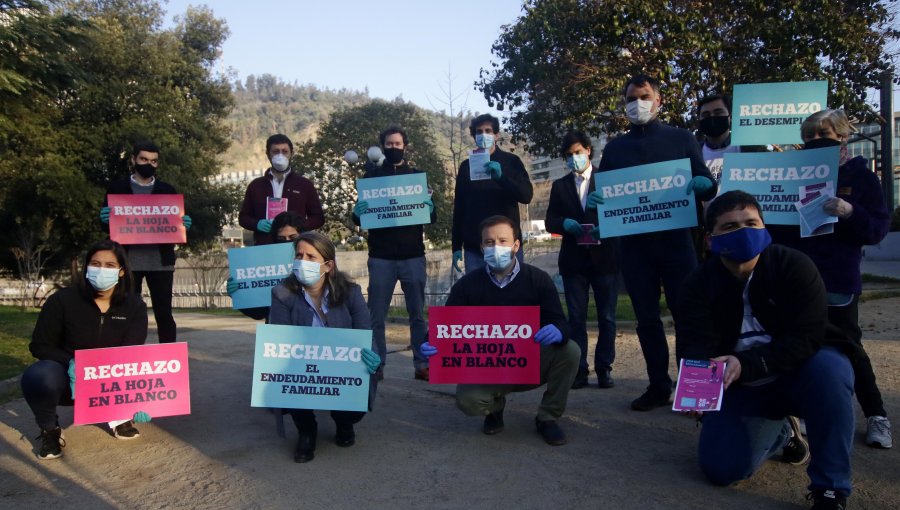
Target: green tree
563,63
357,128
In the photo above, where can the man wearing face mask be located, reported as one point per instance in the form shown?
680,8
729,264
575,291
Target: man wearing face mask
863,219
504,281
279,182
714,112
397,254
584,266
760,308
656,257
474,201
153,262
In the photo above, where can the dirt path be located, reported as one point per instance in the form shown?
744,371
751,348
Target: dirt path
416,449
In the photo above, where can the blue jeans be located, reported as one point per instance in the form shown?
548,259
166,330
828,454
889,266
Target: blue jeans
750,428
475,259
605,296
45,385
648,260
383,277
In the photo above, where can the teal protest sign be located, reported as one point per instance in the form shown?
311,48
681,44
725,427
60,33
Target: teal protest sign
299,367
394,201
256,270
645,198
775,178
771,113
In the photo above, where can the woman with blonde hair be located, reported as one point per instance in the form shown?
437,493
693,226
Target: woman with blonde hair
317,294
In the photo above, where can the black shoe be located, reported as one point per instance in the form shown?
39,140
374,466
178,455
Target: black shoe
421,374
126,431
827,500
306,448
52,444
581,380
650,400
551,432
345,436
796,451
604,380
493,423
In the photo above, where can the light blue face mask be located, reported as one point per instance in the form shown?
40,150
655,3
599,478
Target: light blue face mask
307,272
484,141
578,163
498,258
102,278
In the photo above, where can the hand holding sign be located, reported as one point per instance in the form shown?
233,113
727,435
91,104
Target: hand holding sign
572,227
141,417
493,169
187,221
595,199
839,207
548,335
699,185
104,214
72,376
371,359
430,204
428,350
360,208
264,225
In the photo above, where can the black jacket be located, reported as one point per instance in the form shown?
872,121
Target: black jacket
396,243
787,297
123,187
573,257
69,321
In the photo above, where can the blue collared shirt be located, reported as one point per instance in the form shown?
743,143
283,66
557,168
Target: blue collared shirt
506,279
318,321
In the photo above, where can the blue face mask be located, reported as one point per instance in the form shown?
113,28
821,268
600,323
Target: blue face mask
102,278
307,272
577,163
498,258
484,141
742,244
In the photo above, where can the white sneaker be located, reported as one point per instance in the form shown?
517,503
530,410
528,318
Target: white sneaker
878,432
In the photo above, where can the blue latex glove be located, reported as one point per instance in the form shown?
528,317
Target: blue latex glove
104,214
595,199
264,225
361,207
231,286
493,169
457,258
72,376
428,350
430,205
595,233
571,226
187,221
548,335
371,359
699,184
140,417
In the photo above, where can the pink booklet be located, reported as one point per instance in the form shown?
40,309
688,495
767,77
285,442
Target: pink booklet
275,206
700,385
586,237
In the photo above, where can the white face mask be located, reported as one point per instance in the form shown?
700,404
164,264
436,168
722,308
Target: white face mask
280,162
639,112
102,278
578,163
308,272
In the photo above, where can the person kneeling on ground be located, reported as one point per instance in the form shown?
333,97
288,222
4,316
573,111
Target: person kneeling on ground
316,294
504,281
100,310
761,308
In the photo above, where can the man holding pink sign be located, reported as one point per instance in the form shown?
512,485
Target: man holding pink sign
505,281
99,310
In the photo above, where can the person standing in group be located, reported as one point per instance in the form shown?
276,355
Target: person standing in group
397,254
506,186
714,112
153,262
584,266
279,182
863,219
657,257
98,310
317,294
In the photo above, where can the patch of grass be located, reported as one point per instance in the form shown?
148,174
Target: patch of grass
874,278
878,294
15,334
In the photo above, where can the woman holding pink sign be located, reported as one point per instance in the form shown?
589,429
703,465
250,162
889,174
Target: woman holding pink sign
99,310
319,295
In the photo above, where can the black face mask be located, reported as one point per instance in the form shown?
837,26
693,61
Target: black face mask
821,143
145,170
393,156
714,126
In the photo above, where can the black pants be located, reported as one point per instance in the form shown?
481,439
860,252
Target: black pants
160,285
847,319
45,385
305,419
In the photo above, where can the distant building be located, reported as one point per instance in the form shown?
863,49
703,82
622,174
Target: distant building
868,148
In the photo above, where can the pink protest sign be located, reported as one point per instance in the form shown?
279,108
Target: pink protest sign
146,219
275,206
700,385
116,382
484,344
